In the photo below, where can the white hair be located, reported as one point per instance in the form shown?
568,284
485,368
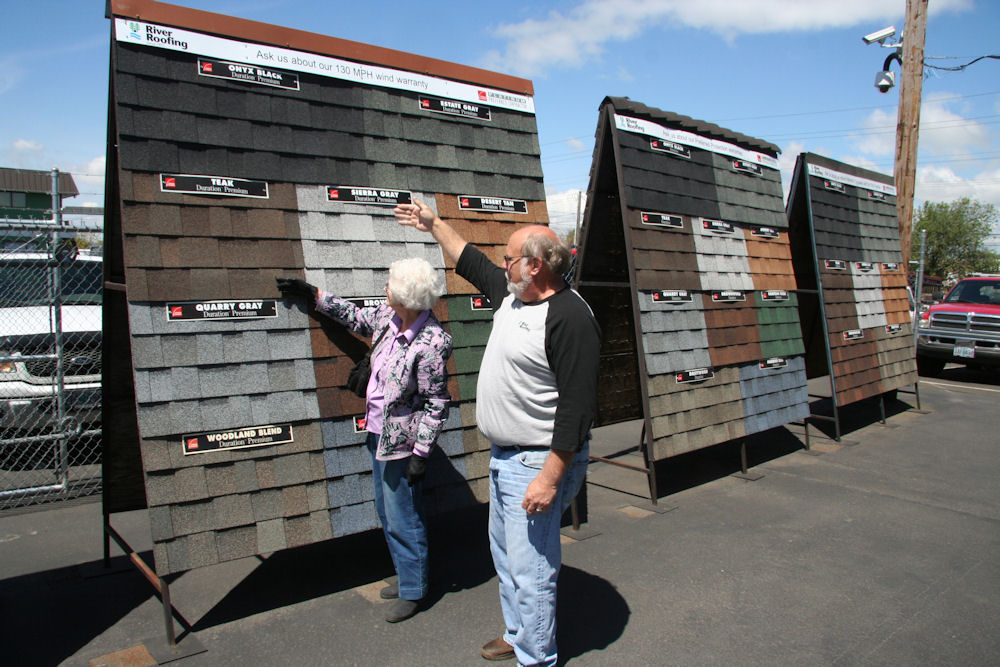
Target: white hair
414,283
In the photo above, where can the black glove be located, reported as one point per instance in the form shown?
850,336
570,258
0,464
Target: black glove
415,469
291,286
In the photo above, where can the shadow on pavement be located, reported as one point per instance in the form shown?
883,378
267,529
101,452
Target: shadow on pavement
47,617
860,414
591,614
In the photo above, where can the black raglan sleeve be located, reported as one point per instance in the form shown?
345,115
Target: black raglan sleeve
573,347
488,278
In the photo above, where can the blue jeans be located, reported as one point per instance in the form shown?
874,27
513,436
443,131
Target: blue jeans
400,509
526,550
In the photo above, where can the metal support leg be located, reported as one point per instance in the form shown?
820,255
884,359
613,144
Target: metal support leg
744,472
881,408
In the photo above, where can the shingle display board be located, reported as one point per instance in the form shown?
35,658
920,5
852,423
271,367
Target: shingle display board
687,264
232,161
846,250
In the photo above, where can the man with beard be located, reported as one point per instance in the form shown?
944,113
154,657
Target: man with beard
535,403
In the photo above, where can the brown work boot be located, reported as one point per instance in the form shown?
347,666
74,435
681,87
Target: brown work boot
497,649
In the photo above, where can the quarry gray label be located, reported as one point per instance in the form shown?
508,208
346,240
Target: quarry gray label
240,438
248,309
672,296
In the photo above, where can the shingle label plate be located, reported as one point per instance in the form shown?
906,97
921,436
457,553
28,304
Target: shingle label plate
879,196
492,204
748,167
717,226
891,266
368,302
359,423
773,363
480,302
835,186
694,375
221,310
223,69
836,264
774,295
349,194
662,220
455,108
854,334
672,296
865,267
241,438
765,232
729,296
671,147
216,186
893,328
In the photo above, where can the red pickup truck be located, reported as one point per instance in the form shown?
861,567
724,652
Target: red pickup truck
964,328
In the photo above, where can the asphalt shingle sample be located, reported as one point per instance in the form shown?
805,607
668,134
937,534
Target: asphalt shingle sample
682,244
206,376
860,272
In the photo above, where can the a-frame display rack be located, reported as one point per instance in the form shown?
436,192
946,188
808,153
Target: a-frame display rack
685,259
852,280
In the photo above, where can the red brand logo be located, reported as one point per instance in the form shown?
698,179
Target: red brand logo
680,377
176,311
657,296
169,182
465,201
334,194
425,103
645,218
482,95
206,67
192,443
477,302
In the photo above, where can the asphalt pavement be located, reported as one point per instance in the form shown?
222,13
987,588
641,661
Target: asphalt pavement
879,549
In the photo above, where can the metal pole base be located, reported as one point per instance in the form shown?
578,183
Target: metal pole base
163,651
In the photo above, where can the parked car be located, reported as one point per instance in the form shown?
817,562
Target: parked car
963,328
28,321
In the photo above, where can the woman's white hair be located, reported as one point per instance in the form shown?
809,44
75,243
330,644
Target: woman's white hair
414,283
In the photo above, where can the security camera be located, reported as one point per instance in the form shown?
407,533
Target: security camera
884,81
880,36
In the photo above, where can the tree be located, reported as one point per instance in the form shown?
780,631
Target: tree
570,237
956,235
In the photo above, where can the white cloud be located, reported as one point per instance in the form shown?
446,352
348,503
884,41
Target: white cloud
575,144
562,208
877,134
786,164
944,132
571,38
26,145
938,183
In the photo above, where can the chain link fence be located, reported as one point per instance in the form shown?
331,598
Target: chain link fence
50,363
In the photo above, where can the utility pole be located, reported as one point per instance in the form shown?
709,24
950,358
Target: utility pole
908,122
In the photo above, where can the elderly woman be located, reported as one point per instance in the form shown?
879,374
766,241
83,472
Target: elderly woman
407,403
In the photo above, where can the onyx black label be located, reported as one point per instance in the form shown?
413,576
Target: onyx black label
492,204
223,69
369,196
241,438
455,108
218,186
222,310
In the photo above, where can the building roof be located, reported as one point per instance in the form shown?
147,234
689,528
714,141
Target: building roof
31,180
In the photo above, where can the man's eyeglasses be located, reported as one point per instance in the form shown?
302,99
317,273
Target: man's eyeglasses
507,259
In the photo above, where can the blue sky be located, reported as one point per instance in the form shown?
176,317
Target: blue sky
793,72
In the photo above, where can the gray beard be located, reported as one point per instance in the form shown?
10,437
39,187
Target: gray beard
517,289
